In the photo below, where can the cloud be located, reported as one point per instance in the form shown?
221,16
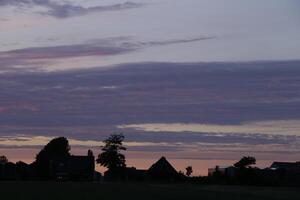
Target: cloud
100,47
222,102
63,51
27,141
243,99
63,11
176,41
280,127
68,10
34,57
4,19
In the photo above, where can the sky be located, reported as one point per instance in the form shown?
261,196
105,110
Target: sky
203,82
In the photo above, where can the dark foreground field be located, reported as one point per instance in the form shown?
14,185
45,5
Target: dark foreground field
143,191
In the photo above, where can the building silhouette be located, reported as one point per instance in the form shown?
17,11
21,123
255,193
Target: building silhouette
162,170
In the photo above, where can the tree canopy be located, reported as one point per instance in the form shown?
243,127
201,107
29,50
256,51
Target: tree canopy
111,157
55,149
58,147
246,161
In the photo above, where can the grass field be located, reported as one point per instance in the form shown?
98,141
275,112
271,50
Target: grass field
143,191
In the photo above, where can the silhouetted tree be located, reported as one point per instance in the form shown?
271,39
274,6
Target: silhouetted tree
245,162
111,157
58,148
189,170
3,160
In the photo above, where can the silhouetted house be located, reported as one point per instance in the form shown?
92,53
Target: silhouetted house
287,166
1,170
227,171
231,171
73,168
134,174
58,168
289,170
217,169
32,172
8,171
81,167
22,171
97,176
125,174
162,170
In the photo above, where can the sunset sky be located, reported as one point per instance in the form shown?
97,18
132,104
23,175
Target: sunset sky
203,82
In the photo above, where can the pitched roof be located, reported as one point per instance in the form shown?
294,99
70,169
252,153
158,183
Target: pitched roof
285,165
162,167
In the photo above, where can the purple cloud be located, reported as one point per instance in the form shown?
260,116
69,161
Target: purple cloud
63,51
176,41
68,10
102,47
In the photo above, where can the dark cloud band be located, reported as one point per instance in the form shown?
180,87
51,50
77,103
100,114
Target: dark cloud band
29,57
68,10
